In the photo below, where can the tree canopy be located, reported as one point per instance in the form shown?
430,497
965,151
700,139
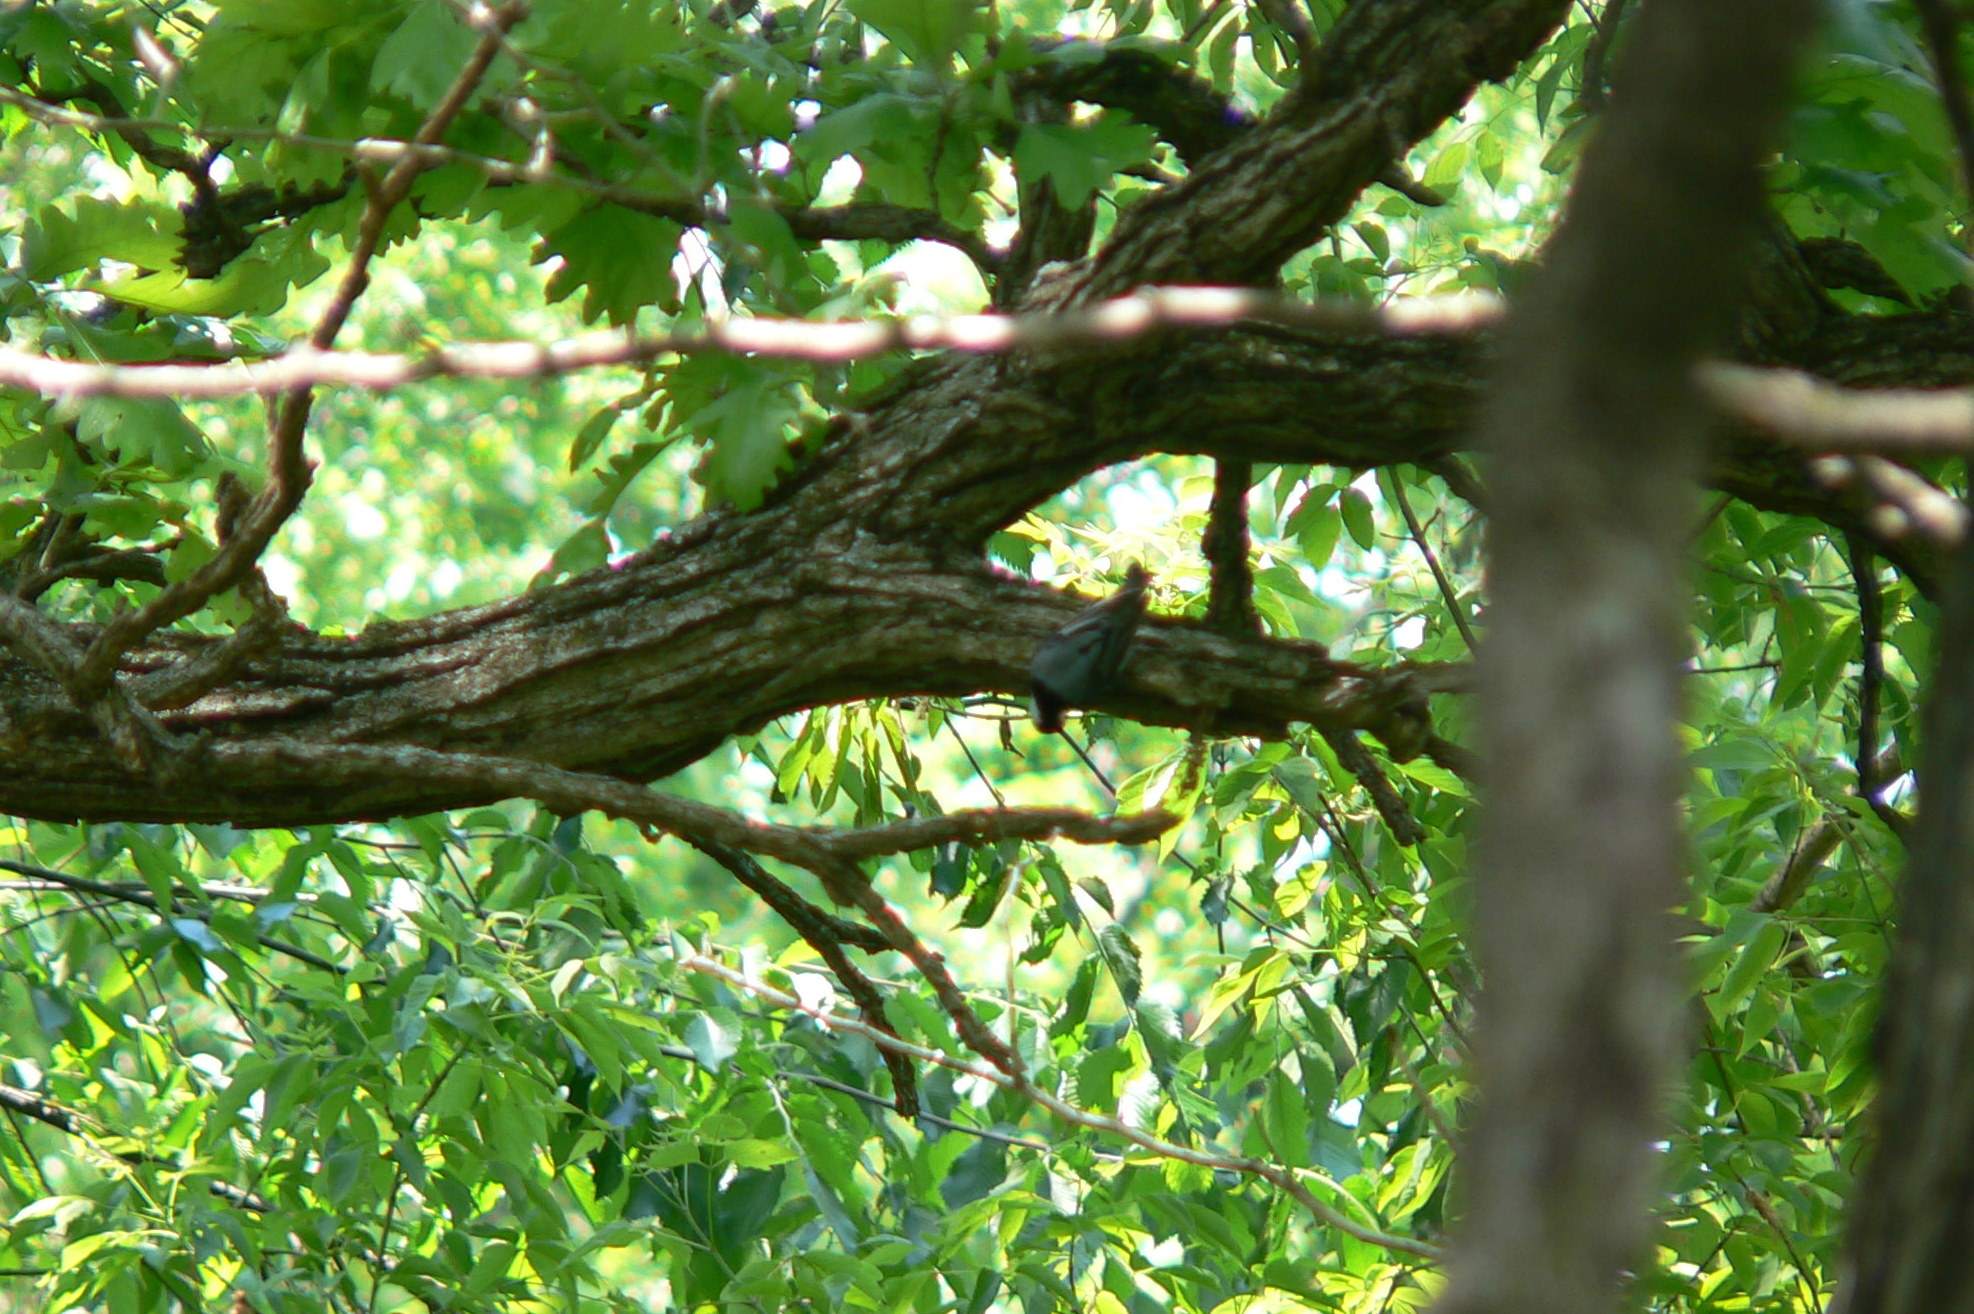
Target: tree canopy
523,532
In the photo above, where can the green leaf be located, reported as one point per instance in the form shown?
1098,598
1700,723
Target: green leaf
712,1041
420,60
196,933
1121,956
144,431
1081,159
747,444
593,433
621,259
77,235
1357,518
927,34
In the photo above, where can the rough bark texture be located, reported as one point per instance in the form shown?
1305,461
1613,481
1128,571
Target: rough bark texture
863,576
862,579
1912,1220
1595,439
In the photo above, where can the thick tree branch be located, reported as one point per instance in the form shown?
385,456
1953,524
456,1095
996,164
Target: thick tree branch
638,687
1389,72
863,563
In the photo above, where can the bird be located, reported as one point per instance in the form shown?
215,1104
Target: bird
1078,663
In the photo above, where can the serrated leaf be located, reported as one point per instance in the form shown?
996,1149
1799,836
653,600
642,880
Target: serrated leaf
1121,956
926,34
747,445
1080,159
422,57
621,259
86,230
143,431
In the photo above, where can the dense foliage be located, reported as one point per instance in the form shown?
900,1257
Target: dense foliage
480,1058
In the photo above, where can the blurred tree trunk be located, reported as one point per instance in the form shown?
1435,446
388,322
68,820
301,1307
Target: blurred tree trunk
1912,1217
1596,440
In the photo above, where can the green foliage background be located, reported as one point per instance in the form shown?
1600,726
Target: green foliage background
454,1061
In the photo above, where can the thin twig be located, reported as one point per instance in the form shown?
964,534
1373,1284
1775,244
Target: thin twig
72,1122
1390,804
1284,1179
145,899
818,848
288,470
1871,681
1454,607
826,934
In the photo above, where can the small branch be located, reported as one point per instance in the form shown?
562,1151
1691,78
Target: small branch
1391,805
1807,412
821,849
47,876
827,935
1288,16
894,223
1184,110
1908,505
1230,600
1125,318
1596,87
133,734
1871,681
810,922
1459,480
1454,607
187,680
1394,176
1284,1179
850,885
288,471
831,854
1813,848
59,550
80,1125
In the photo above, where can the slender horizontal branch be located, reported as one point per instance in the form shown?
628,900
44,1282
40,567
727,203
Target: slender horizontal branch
818,848
1788,404
48,878
1117,320
1808,412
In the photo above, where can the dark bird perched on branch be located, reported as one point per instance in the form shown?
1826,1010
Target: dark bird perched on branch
1078,663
